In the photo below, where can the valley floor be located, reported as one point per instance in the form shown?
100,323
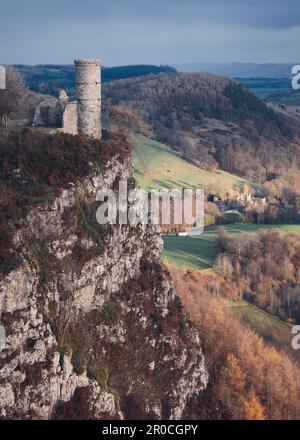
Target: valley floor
197,251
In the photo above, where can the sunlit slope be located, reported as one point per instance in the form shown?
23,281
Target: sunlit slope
156,166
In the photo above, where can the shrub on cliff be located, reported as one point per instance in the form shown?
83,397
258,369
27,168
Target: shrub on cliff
35,166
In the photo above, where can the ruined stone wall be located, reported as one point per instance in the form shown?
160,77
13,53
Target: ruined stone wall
69,118
88,94
48,113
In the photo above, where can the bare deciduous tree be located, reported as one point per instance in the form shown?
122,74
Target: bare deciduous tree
14,99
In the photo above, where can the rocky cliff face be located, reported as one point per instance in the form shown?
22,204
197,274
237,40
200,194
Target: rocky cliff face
94,328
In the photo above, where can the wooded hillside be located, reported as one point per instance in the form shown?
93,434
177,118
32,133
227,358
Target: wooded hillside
214,122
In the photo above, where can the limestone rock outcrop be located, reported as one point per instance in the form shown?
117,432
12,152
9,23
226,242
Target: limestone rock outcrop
94,328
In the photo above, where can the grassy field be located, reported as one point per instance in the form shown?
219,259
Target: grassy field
267,326
197,252
156,165
190,252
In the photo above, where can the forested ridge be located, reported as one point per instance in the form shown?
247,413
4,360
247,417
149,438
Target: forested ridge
214,122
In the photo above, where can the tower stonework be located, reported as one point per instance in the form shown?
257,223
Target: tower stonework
88,95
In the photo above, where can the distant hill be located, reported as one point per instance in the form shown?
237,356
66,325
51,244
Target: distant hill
49,78
275,90
241,70
214,122
271,82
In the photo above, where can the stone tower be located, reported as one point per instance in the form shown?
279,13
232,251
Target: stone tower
88,95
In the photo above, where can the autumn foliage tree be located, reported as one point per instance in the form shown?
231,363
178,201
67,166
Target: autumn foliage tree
249,379
266,269
253,409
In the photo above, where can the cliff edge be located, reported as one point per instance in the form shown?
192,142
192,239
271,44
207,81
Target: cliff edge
94,328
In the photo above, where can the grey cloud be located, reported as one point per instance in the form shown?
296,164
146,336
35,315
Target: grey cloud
157,31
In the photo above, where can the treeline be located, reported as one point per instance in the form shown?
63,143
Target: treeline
49,79
264,269
213,121
248,378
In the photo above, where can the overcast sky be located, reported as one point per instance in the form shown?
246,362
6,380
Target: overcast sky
149,31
